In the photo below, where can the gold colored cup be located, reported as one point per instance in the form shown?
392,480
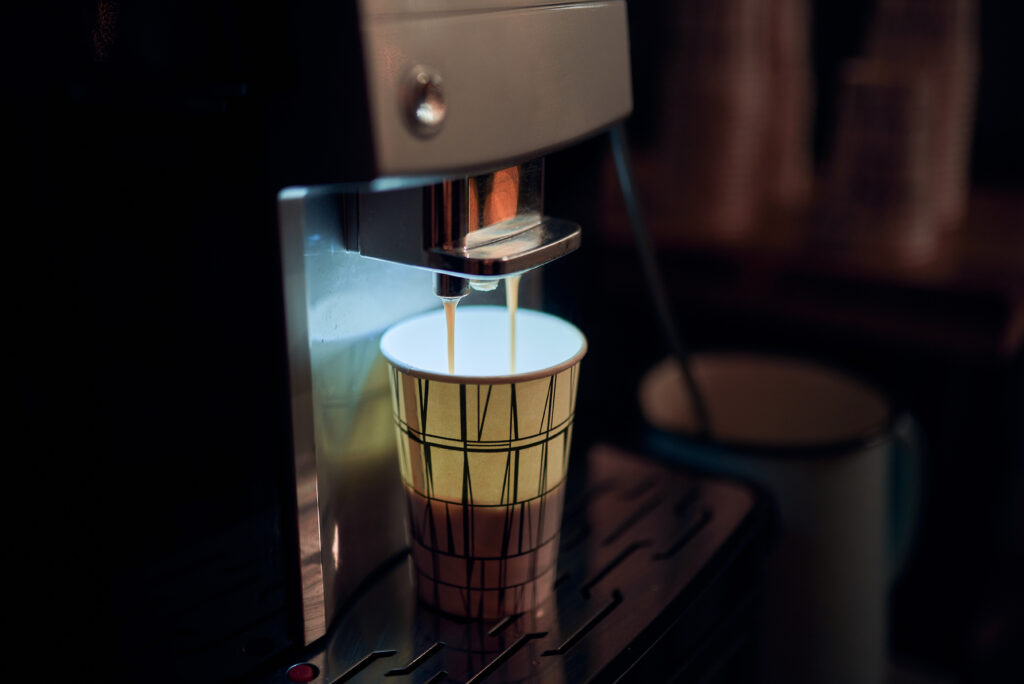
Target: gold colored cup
484,456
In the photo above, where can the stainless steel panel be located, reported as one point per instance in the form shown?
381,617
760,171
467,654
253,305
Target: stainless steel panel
407,7
292,216
517,82
487,226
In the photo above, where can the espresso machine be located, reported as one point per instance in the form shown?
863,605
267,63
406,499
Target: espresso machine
462,102
398,148
459,105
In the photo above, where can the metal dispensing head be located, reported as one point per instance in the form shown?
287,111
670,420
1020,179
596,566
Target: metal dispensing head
478,228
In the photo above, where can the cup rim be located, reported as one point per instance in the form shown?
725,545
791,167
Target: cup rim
792,452
502,379
877,433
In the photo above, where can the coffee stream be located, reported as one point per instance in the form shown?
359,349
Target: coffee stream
511,301
449,319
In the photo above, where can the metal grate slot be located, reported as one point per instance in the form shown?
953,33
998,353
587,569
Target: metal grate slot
362,665
505,622
637,515
639,490
702,521
686,502
504,656
576,636
415,662
612,564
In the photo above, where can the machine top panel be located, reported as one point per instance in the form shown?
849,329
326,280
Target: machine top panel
456,92
408,7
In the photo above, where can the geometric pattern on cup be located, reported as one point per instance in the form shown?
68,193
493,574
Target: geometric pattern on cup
484,469
485,561
494,573
486,604
484,443
485,533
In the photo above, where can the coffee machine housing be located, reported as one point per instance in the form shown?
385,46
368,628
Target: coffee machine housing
416,158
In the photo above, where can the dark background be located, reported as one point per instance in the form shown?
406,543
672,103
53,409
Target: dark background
937,348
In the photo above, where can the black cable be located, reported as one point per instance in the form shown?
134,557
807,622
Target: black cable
652,274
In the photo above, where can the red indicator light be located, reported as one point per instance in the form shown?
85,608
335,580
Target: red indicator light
303,672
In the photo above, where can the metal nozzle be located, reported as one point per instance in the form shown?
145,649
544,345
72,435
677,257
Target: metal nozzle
484,227
485,285
450,287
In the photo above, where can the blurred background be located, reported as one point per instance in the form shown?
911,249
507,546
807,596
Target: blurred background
841,181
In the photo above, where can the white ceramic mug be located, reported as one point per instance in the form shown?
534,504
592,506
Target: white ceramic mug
842,470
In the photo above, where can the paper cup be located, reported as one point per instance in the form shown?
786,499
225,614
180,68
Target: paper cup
484,454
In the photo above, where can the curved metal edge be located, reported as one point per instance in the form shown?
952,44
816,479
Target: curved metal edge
292,212
550,239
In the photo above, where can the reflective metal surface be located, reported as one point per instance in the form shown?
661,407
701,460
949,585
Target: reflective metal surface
640,547
486,226
450,287
520,251
526,78
424,101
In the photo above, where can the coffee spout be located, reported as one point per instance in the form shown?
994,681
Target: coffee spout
481,228
450,286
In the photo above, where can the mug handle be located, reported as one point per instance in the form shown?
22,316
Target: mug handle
904,491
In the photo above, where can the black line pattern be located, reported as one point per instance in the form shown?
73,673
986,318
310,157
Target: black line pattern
424,542
484,468
432,436
456,443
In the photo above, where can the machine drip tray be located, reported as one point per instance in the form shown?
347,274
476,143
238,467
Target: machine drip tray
658,579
